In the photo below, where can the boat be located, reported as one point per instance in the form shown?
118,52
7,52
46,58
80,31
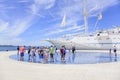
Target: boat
100,40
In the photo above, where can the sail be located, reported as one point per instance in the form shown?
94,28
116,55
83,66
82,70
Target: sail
100,16
63,21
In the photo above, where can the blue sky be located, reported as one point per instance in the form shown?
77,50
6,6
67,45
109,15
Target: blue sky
29,22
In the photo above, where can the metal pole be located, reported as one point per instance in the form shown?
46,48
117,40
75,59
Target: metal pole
85,16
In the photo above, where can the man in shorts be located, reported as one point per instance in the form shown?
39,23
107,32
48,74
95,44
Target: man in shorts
22,51
62,53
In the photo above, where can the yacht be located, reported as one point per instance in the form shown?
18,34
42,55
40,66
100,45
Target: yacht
101,40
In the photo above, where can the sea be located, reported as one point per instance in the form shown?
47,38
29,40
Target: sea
9,48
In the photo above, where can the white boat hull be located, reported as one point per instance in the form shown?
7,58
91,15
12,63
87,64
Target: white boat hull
84,46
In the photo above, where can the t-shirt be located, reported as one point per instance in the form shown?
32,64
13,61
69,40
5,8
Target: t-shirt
46,51
61,51
22,49
51,50
17,48
64,49
41,51
32,52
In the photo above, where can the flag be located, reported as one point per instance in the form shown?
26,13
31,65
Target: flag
63,21
100,16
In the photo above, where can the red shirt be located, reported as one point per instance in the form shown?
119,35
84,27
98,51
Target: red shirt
22,49
61,51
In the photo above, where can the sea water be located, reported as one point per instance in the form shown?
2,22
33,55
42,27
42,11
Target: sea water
8,48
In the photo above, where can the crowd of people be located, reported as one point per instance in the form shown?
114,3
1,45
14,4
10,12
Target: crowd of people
44,54
47,54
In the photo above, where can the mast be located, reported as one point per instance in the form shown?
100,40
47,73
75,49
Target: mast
85,13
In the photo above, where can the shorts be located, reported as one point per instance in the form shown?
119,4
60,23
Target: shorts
21,54
51,55
62,55
42,56
34,54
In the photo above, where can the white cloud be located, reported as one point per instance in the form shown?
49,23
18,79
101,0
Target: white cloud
11,41
11,30
18,27
10,34
4,26
41,4
81,28
72,28
45,3
23,1
34,9
38,43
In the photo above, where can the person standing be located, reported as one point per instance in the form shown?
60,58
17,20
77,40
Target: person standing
51,51
29,49
110,52
18,52
33,55
22,51
73,49
42,55
46,52
39,53
55,49
62,53
55,54
115,51
73,53
64,50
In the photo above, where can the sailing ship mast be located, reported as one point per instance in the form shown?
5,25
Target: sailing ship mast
85,13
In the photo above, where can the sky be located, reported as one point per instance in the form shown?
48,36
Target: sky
30,22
